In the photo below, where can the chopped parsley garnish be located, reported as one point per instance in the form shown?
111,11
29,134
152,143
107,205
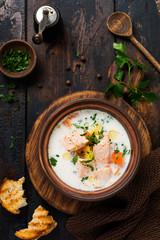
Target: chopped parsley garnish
116,159
75,158
87,161
53,161
124,151
10,98
78,126
94,117
57,155
86,76
78,53
91,167
101,134
116,151
12,141
15,61
83,134
129,151
84,178
93,139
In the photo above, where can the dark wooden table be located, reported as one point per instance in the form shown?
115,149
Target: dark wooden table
84,31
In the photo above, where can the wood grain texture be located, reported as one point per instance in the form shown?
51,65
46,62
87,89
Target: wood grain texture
39,179
12,119
145,20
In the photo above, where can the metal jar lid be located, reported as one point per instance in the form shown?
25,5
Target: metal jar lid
53,15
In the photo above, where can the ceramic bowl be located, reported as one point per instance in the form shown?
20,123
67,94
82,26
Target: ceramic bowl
101,105
18,44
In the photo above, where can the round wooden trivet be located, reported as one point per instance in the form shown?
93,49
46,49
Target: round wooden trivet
38,178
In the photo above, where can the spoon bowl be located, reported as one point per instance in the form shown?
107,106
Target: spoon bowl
120,24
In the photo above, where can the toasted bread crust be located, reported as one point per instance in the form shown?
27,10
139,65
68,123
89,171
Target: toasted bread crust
40,225
11,195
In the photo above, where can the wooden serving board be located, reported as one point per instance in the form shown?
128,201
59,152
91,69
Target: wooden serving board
38,178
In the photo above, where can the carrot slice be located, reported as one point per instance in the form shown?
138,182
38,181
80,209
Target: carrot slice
117,158
88,134
81,151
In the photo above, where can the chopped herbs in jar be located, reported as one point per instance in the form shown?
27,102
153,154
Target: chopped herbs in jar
15,61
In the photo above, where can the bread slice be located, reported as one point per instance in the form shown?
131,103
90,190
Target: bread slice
11,195
41,225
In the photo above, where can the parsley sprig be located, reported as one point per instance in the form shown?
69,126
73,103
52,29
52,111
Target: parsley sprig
117,88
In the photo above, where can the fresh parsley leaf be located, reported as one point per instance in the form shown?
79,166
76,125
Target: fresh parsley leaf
139,65
110,86
118,47
143,84
118,76
57,155
117,90
135,97
150,97
75,158
86,76
84,178
122,59
53,161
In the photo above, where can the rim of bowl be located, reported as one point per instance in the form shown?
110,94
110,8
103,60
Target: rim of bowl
25,72
65,110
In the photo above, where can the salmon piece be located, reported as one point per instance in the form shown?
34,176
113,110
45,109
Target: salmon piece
67,122
101,176
82,169
101,150
74,141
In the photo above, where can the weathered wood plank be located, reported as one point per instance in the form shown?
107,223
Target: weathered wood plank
145,19
84,30
12,119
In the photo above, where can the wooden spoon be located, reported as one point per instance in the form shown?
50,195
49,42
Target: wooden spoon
120,24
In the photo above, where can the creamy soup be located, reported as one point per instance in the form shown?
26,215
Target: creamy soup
89,150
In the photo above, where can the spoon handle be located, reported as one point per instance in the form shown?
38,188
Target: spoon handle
145,52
